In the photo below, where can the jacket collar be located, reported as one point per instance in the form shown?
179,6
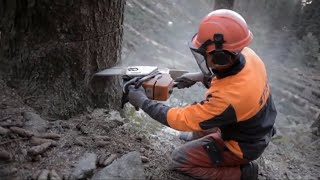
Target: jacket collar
234,69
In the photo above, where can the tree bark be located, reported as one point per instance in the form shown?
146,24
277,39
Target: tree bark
51,49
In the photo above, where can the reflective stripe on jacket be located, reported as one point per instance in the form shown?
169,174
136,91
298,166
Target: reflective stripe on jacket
240,105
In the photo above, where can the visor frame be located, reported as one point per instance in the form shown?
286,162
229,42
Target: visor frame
200,56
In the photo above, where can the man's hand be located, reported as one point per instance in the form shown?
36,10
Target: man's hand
136,96
188,79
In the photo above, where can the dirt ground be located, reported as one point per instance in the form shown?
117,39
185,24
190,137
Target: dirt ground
78,135
292,154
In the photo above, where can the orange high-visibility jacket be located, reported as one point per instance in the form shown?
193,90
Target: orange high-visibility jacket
240,105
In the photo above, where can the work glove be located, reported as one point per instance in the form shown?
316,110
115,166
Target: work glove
188,79
136,96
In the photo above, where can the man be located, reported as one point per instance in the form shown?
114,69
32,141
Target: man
236,119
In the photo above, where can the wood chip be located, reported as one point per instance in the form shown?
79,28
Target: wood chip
5,155
21,132
38,141
53,136
53,175
105,138
101,160
110,159
144,159
78,142
102,143
44,175
36,150
4,131
36,175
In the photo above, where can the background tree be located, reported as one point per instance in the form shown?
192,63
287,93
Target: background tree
307,19
50,50
223,4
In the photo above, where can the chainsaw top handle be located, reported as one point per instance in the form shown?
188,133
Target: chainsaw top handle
137,81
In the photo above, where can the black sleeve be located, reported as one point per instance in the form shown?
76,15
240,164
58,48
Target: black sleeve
157,111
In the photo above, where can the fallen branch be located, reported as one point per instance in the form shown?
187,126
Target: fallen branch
53,136
5,118
11,124
22,132
13,140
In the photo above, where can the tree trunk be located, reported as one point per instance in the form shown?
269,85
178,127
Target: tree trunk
51,49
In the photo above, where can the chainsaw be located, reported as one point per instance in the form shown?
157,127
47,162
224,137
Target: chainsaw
157,82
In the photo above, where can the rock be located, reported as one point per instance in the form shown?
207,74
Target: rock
127,167
34,122
85,167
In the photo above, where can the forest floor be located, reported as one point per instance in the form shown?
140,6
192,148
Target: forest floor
293,153
102,132
27,151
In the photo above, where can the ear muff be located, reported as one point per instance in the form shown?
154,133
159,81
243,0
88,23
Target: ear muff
220,57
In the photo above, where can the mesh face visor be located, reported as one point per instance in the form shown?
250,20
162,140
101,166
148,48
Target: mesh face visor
200,56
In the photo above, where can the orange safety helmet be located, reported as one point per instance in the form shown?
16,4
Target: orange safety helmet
222,33
227,22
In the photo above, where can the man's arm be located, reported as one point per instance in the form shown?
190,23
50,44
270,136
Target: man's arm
189,79
213,112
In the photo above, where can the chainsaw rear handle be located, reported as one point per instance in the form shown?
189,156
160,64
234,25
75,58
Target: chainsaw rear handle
157,86
137,81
